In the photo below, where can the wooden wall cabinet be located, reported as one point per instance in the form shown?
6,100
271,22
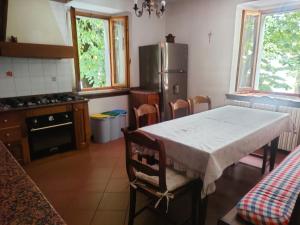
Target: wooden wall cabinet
137,98
82,125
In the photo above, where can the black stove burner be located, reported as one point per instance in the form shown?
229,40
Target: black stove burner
15,102
38,100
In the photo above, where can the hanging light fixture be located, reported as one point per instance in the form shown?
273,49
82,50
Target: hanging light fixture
151,6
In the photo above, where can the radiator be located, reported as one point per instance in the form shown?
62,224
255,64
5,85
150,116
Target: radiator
288,140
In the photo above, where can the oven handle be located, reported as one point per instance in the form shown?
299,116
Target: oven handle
53,126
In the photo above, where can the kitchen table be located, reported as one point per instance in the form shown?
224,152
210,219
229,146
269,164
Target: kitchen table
203,145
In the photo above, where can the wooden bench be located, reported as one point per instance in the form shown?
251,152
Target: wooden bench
232,218
272,199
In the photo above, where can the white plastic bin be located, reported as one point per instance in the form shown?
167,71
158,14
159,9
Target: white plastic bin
123,122
119,121
114,127
101,128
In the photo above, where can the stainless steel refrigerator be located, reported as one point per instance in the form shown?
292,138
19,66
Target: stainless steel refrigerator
163,68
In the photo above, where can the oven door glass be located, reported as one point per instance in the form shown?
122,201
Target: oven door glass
48,141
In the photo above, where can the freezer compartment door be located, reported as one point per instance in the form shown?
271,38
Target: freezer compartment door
150,67
174,87
175,58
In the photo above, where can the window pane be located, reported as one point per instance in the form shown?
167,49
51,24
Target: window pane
93,48
279,66
247,53
119,45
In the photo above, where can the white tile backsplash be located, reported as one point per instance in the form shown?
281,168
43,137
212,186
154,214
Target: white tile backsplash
7,87
23,85
36,68
38,85
35,76
20,69
5,65
51,84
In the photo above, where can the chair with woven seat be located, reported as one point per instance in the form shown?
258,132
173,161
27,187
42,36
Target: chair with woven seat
199,100
161,184
180,105
150,111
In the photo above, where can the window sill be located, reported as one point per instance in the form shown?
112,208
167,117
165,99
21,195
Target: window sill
104,93
283,100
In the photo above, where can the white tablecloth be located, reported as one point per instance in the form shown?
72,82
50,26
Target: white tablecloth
204,144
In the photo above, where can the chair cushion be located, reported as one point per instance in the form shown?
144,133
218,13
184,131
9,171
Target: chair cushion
174,179
271,201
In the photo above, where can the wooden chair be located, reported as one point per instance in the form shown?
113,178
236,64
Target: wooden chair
151,111
180,104
200,100
161,184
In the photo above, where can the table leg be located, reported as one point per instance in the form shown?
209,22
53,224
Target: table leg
203,210
274,147
265,159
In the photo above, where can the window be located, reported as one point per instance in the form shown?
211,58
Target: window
102,51
269,57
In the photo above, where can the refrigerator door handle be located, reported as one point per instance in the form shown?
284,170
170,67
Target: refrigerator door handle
160,78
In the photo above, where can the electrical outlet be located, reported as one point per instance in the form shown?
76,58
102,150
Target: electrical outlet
9,74
53,79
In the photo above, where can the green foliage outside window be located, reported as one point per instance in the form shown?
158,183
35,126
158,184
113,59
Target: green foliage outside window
281,52
91,47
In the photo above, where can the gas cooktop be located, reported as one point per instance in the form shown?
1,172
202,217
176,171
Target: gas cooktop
20,102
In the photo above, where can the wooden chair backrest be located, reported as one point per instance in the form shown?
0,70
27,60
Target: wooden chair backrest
197,100
180,104
133,164
146,110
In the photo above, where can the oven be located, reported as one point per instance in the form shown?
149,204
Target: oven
50,134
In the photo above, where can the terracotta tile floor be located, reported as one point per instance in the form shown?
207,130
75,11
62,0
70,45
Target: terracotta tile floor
90,187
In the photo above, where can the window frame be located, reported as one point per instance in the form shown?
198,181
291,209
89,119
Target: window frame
257,52
112,53
241,44
73,14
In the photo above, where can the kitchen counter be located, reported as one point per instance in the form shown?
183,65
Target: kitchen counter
21,201
43,106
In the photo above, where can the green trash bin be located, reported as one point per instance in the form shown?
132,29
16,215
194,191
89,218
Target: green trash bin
100,126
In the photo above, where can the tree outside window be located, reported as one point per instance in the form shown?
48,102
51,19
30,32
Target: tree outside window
101,46
276,65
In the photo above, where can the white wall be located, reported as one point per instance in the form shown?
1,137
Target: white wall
209,63
43,22
106,104
32,21
142,31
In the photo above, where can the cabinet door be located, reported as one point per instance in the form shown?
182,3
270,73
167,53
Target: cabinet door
16,149
13,133
81,125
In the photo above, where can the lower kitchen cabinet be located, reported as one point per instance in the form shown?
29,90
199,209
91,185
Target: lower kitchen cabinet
81,125
19,150
14,131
